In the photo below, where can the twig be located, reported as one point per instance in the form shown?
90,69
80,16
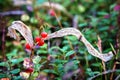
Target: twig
75,21
15,12
117,78
114,66
106,72
104,68
3,25
3,43
99,45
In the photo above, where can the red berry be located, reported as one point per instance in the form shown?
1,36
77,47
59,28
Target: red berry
27,46
29,70
72,56
44,34
37,39
41,42
51,12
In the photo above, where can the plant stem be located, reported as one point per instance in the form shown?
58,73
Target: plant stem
111,76
86,59
3,25
3,43
104,68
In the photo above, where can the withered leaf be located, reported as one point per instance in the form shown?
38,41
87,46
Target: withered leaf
23,29
79,35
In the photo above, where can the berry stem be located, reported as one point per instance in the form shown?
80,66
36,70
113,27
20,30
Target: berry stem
32,54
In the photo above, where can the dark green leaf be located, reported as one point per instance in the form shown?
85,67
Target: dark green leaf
50,71
69,53
17,61
15,71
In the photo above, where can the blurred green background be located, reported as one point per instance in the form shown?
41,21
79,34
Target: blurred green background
61,58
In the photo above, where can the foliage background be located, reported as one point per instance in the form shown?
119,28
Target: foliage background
61,57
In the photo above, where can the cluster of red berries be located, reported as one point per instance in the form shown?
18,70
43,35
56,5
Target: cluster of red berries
39,40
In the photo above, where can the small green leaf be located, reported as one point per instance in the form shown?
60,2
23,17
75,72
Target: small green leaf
102,13
33,20
96,72
17,78
37,67
15,71
4,64
35,74
17,61
41,52
83,24
58,61
104,28
72,38
65,48
96,64
36,59
69,53
51,50
50,71
76,62
12,53
89,72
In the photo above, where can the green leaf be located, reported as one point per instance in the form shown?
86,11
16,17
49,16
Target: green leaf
96,64
36,59
69,53
76,62
35,74
4,64
89,72
102,13
17,78
58,61
44,46
83,24
51,50
104,28
37,67
33,20
94,21
72,38
11,54
42,51
15,71
96,72
3,75
50,71
65,48
17,61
